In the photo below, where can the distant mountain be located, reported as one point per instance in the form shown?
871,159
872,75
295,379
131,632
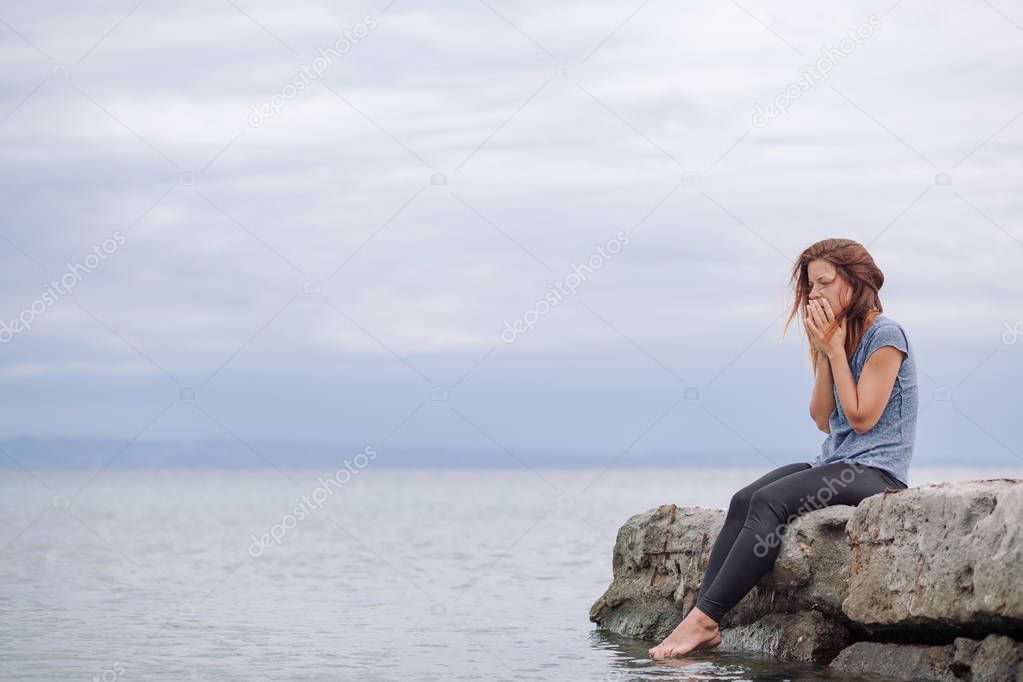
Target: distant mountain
90,453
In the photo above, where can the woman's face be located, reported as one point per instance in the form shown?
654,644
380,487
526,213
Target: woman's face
826,284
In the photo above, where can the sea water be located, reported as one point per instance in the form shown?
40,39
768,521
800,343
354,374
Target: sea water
373,574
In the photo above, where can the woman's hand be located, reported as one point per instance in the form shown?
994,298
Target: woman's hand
819,318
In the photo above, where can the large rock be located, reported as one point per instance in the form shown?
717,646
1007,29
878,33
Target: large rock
939,560
660,557
996,659
936,570
803,636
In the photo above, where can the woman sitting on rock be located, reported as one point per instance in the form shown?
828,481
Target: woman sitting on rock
864,398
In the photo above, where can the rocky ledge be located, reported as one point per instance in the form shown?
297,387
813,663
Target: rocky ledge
924,583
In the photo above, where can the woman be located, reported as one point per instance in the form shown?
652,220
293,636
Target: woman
864,398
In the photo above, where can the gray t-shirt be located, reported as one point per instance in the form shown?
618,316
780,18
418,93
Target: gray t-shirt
889,444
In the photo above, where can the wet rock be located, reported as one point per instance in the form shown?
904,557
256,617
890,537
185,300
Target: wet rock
804,636
995,658
660,557
932,575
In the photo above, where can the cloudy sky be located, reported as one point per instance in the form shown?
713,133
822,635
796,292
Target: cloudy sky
326,245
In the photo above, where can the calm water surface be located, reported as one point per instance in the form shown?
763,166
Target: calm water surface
450,575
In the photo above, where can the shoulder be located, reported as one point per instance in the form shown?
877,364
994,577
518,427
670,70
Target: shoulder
887,332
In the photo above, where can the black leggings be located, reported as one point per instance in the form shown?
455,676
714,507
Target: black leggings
748,544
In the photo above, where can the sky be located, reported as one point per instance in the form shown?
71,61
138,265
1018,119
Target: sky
324,222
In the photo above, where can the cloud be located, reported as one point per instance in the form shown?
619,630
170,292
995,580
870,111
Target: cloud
437,178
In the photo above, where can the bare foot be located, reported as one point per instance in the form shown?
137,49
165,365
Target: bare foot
696,632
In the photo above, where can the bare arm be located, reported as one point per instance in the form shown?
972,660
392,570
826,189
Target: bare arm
822,403
864,403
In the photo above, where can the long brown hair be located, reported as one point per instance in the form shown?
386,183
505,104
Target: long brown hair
857,268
